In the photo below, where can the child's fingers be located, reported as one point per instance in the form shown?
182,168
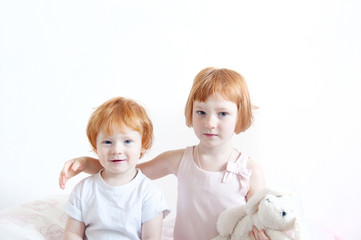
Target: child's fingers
251,235
65,173
259,235
75,166
263,235
62,180
68,165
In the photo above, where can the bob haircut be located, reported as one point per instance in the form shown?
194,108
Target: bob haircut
120,112
223,83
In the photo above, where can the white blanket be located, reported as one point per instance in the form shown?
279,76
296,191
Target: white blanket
45,219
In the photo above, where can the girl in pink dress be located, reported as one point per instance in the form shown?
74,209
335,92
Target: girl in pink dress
213,175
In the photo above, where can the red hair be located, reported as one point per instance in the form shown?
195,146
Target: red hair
117,113
225,83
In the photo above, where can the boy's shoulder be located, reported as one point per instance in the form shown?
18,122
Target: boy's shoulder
87,181
143,179
147,184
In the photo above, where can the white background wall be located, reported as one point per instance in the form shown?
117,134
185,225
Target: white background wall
302,59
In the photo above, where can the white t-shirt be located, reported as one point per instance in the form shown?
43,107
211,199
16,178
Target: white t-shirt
110,212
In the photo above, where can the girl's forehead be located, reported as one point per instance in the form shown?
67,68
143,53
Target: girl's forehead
216,101
218,96
215,98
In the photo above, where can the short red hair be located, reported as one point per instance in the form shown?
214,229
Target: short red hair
224,83
117,113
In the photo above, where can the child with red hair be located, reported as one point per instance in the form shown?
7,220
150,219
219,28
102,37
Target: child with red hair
118,202
213,175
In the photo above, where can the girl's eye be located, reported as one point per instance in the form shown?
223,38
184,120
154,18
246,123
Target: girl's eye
107,142
222,114
201,113
127,141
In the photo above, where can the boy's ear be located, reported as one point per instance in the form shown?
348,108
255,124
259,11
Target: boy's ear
142,151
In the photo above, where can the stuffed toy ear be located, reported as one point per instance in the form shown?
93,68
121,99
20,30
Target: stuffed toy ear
253,202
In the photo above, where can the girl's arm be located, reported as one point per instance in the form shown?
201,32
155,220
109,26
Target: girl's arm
162,165
152,229
77,165
74,229
256,183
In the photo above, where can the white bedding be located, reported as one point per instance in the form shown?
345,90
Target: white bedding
37,220
45,219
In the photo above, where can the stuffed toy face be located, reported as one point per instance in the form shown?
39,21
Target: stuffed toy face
277,212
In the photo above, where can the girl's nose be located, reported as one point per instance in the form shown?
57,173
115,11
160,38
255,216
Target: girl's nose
210,122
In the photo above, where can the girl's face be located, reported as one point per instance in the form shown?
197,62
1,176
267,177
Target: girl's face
214,120
119,152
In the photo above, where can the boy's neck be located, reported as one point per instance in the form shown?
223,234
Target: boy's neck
118,179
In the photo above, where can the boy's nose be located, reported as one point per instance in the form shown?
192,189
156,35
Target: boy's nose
116,150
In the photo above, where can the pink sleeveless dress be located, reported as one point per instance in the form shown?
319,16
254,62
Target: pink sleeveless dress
203,195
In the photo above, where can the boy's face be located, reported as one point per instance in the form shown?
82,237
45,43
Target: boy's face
119,152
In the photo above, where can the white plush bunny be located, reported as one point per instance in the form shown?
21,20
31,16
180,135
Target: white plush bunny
268,209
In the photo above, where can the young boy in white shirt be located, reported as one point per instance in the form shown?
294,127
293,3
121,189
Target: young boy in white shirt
119,202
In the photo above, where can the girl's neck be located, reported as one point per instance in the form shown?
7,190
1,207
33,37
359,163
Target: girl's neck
219,150
214,159
118,179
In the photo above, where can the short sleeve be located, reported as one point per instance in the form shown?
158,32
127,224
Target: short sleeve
154,203
73,206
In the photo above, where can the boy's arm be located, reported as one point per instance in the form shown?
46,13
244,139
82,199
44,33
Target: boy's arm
152,229
74,229
77,165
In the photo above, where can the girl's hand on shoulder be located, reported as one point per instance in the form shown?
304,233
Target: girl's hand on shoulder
71,168
255,234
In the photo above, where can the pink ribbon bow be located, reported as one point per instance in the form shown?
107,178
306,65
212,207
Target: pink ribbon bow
245,174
